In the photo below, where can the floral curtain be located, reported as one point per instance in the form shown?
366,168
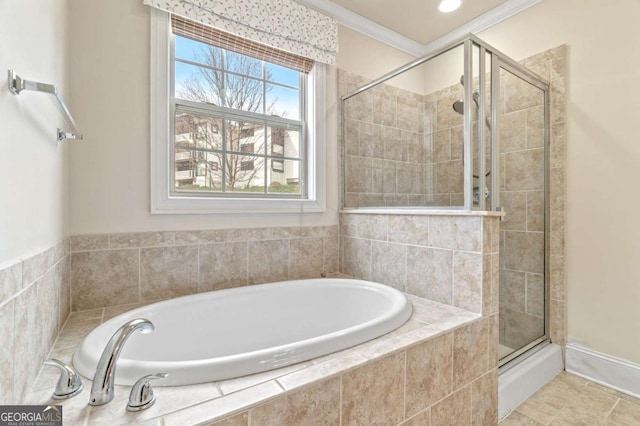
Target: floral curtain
283,24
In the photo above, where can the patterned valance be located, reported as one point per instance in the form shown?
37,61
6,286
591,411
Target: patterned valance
283,24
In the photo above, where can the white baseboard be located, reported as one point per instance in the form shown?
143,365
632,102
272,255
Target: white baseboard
616,373
517,384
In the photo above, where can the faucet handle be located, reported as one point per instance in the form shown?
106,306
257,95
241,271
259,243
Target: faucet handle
141,396
69,383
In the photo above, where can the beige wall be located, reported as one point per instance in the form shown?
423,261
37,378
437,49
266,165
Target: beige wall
110,170
33,166
603,160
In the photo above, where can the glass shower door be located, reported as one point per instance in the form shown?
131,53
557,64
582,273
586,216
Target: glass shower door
522,158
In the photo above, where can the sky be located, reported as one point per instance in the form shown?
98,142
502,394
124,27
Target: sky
287,98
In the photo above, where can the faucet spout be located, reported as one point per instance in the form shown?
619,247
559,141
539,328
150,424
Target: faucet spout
104,377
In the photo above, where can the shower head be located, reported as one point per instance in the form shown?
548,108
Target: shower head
458,106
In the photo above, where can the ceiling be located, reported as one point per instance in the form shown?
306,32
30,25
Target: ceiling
418,20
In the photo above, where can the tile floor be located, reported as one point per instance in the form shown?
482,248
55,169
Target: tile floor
572,400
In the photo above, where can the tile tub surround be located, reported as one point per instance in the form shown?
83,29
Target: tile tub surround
117,269
447,257
35,301
385,145
437,365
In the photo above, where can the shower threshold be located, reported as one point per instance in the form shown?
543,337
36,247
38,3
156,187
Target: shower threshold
531,371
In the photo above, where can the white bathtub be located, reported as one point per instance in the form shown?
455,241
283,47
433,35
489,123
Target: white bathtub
230,333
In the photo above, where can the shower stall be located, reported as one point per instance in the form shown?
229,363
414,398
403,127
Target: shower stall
462,128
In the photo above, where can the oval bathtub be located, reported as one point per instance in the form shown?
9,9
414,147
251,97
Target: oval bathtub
230,333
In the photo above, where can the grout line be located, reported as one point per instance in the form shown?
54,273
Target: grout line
612,408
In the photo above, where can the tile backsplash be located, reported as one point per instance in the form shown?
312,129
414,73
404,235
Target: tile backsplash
35,301
116,269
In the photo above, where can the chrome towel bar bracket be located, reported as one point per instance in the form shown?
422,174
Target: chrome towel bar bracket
18,84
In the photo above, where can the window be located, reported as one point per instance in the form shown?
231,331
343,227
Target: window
243,131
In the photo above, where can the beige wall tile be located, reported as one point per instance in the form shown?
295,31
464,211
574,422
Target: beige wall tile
467,281
417,147
455,409
557,281
429,273
494,340
318,405
356,258
521,328
484,400
104,278
410,112
470,352
495,282
63,273
47,315
27,354
513,131
558,101
519,94
394,147
557,233
515,205
429,372
457,143
10,281
455,232
384,108
241,419
34,267
371,143
268,261
408,229
331,246
410,179
8,383
441,150
222,265
524,170
168,272
360,107
535,127
305,258
374,394
535,211
449,177
558,322
557,189
141,239
513,289
446,116
389,264
490,234
89,242
524,251
558,147
535,294
351,137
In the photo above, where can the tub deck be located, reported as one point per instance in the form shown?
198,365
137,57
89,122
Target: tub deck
216,400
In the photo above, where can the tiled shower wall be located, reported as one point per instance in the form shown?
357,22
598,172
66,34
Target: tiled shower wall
35,301
117,269
385,146
451,259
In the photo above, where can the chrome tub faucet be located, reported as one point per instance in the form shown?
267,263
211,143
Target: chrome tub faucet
104,377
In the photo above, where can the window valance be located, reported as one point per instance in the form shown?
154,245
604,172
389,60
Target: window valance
283,24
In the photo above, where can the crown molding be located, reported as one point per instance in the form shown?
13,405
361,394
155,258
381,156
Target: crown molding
383,34
352,20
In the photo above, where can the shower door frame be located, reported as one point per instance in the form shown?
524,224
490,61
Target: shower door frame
498,62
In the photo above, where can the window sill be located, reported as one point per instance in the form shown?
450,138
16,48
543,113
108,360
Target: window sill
185,205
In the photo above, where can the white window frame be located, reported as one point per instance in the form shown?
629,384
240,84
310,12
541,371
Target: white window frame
161,200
